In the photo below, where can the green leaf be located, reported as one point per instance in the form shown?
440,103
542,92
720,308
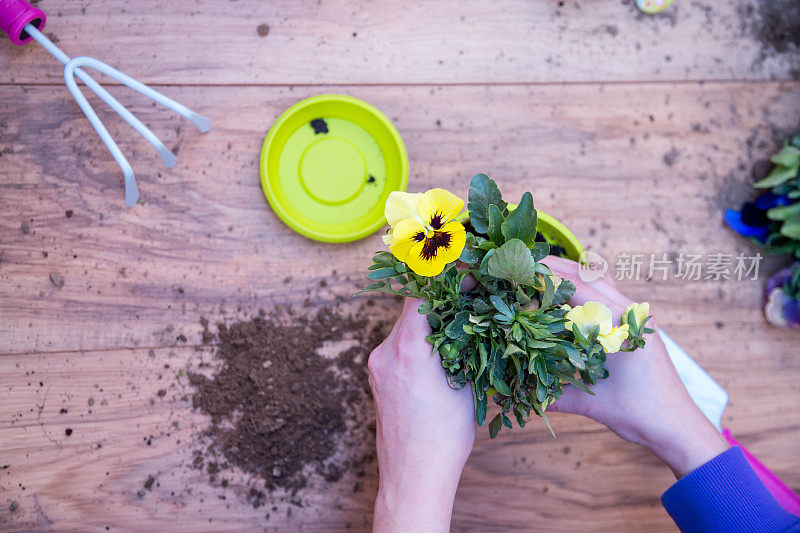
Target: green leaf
578,383
501,306
497,373
383,257
521,222
540,250
495,231
480,306
513,262
484,267
539,411
483,352
549,292
540,368
382,273
512,348
483,192
789,156
777,176
791,229
784,212
425,308
455,329
564,293
480,405
574,356
471,255
494,426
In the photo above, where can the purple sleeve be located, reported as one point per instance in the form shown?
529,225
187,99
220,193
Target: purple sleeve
725,494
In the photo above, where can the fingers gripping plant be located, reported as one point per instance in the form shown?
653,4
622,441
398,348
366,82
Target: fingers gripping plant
512,337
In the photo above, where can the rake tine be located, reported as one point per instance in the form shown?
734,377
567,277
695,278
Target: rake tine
131,191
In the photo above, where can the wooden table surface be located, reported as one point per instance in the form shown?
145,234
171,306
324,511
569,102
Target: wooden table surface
636,131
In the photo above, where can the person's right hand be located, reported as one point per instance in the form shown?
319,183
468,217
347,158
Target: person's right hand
643,400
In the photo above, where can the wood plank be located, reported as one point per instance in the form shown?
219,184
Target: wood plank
350,42
92,479
206,240
205,244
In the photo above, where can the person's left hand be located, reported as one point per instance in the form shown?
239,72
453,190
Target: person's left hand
425,429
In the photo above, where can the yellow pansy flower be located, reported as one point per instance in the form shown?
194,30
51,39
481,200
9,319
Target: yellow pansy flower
424,233
592,314
640,312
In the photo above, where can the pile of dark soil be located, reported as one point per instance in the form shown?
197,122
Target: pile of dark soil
778,24
282,408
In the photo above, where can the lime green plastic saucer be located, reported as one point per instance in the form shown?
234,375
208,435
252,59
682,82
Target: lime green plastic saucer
556,232
329,163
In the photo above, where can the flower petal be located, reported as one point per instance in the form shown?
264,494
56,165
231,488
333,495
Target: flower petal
438,206
405,235
401,205
428,258
781,310
734,220
589,315
612,341
640,312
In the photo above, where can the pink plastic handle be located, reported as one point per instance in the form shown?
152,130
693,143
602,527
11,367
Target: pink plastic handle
785,496
15,15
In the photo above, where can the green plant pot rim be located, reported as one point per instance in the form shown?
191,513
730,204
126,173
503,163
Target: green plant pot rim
554,231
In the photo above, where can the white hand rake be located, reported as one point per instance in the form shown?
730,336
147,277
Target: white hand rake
23,22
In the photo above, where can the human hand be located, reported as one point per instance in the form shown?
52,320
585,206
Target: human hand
424,429
643,400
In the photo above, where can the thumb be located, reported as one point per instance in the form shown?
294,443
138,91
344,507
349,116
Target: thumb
572,401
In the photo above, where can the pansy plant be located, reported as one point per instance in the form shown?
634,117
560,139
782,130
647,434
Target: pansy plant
772,221
512,338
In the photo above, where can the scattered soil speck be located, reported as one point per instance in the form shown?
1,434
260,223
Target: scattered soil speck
610,29
56,279
68,432
671,157
68,213
319,125
148,484
263,30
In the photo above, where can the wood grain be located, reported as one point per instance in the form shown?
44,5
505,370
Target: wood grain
205,238
205,243
348,42
643,164
123,432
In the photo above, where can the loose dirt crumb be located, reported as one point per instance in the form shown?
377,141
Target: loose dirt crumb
56,279
282,406
148,484
671,157
262,30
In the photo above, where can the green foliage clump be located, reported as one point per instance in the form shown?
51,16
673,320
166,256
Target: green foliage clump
507,338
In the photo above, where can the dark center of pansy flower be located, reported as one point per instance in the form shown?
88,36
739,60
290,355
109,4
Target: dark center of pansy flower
419,237
436,222
440,239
